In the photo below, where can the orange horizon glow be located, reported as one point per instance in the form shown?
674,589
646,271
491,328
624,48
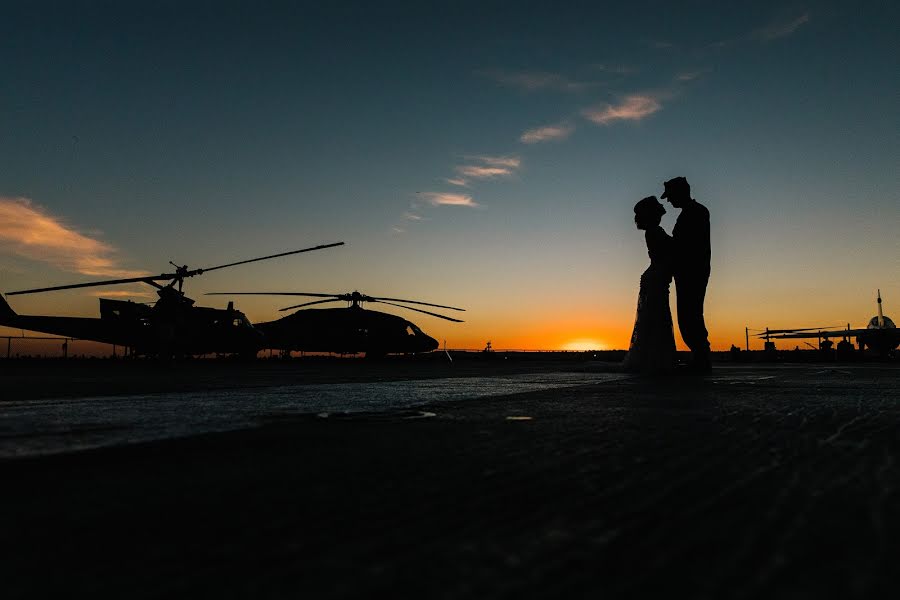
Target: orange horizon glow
556,332
549,336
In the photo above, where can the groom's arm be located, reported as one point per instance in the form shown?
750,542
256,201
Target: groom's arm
692,240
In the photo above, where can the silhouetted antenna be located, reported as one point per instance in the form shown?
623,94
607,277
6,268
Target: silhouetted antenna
880,313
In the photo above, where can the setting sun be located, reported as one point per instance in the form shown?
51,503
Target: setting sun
584,344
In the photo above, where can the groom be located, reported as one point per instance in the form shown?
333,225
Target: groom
691,235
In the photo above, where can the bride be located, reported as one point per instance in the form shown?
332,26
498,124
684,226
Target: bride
652,349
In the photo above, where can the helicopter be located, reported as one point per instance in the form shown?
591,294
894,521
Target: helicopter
880,334
171,327
349,330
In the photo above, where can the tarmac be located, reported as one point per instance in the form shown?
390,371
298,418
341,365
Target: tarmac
758,481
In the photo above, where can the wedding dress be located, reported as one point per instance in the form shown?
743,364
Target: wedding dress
652,349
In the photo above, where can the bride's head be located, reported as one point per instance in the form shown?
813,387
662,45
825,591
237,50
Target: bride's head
648,213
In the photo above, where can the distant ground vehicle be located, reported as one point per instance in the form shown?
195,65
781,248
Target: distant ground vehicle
173,326
348,330
880,335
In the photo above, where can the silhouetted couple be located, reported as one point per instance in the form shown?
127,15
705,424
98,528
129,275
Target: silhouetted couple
685,256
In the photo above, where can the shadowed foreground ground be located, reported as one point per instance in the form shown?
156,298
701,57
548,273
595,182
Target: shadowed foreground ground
734,486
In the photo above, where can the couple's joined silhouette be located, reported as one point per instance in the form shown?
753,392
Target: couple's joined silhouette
684,256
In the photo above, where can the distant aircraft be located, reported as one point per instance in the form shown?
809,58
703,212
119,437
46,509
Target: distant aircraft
880,335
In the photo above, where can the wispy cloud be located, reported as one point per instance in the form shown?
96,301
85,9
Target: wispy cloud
511,162
489,167
780,28
548,133
122,294
457,181
482,172
630,108
411,216
448,199
532,81
31,232
686,76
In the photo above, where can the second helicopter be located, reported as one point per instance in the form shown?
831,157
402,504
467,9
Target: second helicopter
347,330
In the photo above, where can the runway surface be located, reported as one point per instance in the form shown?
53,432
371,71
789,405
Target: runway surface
775,482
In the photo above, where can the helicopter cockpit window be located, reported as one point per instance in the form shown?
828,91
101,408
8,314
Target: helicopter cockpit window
410,330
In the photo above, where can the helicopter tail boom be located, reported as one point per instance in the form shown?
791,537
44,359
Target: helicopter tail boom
6,312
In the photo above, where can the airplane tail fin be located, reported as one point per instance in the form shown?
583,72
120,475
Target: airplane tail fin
5,311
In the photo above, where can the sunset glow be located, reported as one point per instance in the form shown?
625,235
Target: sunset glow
585,344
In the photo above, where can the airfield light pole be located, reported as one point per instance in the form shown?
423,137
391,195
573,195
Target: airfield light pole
747,338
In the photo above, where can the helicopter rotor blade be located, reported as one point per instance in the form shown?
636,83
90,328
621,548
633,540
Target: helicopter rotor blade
309,304
272,294
774,331
374,299
347,297
179,276
146,279
420,310
243,262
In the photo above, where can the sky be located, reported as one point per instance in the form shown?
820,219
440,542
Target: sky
485,155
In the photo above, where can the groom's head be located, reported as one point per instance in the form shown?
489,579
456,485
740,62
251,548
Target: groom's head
678,192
